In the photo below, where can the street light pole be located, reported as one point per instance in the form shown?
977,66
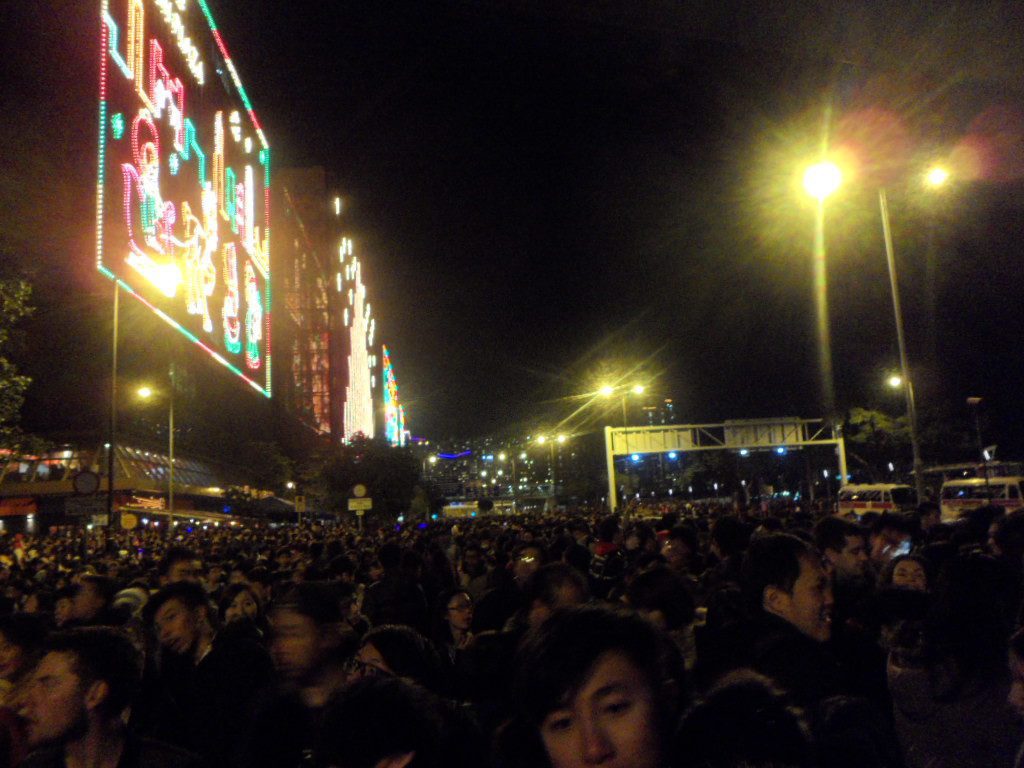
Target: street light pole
908,387
170,456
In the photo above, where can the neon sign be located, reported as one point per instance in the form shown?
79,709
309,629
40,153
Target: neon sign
358,319
394,413
183,189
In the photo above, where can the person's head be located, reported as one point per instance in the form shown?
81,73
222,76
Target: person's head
63,599
782,575
890,536
1007,539
399,725
554,586
21,639
239,603
456,608
906,572
93,596
527,560
680,547
591,687
662,596
843,546
639,536
398,650
181,617
1016,695
306,635
608,530
179,564
729,536
473,563
743,720
85,676
928,515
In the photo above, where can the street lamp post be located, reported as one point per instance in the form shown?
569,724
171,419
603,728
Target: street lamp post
145,393
908,387
820,181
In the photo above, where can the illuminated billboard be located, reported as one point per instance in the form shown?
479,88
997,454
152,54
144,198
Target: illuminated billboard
183,190
361,361
394,413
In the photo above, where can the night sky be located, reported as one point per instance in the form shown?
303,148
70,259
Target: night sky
545,192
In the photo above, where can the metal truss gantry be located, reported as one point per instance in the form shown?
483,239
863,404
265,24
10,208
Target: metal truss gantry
734,435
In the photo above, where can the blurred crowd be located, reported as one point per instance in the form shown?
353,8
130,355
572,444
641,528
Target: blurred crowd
676,636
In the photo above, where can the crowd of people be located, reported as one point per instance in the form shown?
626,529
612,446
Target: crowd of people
693,637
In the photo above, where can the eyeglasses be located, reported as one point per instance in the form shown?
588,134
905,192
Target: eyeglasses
463,606
363,669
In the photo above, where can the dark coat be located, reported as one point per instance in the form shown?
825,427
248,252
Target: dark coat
138,753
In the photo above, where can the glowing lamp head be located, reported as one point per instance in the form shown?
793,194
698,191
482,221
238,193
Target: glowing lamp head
607,390
936,176
822,179
542,439
561,438
145,392
895,381
432,459
638,389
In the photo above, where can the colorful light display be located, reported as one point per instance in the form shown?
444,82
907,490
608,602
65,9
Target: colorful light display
183,189
359,390
394,413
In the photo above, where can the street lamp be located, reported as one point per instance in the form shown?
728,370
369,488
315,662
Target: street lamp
908,388
145,393
895,381
820,181
936,176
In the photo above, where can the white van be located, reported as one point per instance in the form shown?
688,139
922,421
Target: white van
876,497
959,496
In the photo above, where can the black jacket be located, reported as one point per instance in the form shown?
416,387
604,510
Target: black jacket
138,753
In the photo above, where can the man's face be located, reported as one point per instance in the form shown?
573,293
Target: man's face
296,646
178,627
851,562
55,710
610,721
808,607
471,561
184,570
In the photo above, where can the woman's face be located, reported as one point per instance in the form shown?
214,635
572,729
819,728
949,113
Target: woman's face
244,606
909,574
610,721
367,663
460,612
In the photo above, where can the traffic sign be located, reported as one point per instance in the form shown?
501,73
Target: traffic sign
360,505
359,490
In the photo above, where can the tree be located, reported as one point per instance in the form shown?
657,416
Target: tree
267,467
389,474
874,438
14,305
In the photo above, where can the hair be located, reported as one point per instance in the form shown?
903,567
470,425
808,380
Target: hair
442,633
315,600
743,720
105,586
390,556
1009,535
175,555
394,717
407,653
27,631
555,661
832,533
688,535
731,535
662,589
188,593
103,654
545,584
608,528
772,561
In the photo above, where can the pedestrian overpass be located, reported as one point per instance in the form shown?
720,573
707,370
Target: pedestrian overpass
733,435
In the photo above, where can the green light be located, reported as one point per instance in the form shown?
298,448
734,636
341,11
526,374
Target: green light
117,126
